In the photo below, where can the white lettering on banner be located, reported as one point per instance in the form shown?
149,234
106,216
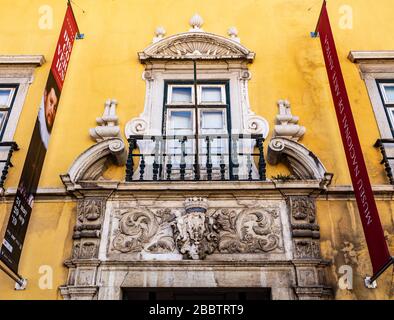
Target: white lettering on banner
7,245
64,53
348,136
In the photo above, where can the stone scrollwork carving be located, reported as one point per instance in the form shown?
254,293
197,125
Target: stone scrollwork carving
257,125
91,164
301,161
140,230
196,231
137,126
284,147
249,231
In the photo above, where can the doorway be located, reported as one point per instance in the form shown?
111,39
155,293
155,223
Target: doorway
157,294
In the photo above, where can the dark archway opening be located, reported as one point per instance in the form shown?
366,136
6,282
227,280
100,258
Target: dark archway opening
157,294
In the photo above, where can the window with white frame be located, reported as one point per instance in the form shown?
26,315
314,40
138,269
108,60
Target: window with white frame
7,98
16,76
386,90
209,116
377,70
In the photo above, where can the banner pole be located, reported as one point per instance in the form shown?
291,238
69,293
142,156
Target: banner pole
17,278
369,281
79,35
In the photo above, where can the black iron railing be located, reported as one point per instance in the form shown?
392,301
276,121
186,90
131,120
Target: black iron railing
384,146
6,151
173,158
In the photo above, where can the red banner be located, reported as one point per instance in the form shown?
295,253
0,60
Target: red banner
377,246
64,47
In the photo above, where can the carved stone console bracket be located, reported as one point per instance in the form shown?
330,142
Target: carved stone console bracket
301,161
310,267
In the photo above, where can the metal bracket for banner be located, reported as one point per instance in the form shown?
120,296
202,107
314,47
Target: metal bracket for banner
20,283
314,34
80,36
370,282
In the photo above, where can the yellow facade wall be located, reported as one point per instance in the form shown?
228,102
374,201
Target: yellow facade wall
47,245
343,244
289,64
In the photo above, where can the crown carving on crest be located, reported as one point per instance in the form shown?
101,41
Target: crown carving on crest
196,204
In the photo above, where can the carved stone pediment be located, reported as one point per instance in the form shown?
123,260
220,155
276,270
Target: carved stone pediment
196,45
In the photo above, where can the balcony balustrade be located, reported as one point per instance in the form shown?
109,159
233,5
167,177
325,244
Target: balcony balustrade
198,158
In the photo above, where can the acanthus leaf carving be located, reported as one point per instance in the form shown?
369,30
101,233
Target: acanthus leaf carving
249,231
140,230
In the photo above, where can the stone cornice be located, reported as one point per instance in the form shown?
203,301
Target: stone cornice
34,60
371,56
381,192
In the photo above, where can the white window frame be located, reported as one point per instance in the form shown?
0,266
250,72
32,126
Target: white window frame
223,111
390,112
169,95
17,70
199,94
223,94
8,108
384,94
11,96
375,66
192,111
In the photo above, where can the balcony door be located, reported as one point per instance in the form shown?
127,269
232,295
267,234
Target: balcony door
197,132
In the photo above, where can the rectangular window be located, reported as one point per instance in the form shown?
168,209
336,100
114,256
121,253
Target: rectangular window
180,95
209,117
7,97
207,94
387,90
212,119
212,94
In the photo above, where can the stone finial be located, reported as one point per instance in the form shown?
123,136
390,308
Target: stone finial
160,32
287,126
107,124
196,23
233,34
